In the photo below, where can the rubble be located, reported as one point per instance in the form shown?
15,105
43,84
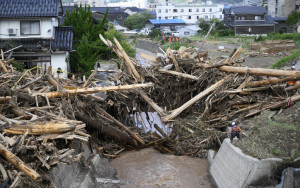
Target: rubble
41,115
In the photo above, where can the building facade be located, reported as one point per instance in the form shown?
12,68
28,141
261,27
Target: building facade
282,8
34,27
91,3
189,13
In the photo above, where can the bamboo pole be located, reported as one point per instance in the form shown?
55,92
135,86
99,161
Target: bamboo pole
92,90
179,74
171,55
189,103
259,71
127,59
18,163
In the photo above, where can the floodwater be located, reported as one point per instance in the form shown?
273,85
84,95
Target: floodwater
148,168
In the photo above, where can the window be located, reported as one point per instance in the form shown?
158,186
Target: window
30,27
119,16
186,33
159,10
242,18
206,17
175,17
213,16
181,10
203,10
175,10
190,10
166,17
189,17
197,10
197,17
166,11
220,10
220,17
257,17
250,29
210,10
159,18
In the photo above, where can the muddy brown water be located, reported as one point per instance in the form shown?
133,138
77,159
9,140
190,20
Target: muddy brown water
148,168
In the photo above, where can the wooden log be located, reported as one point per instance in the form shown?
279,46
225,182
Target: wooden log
89,79
148,57
292,87
53,82
189,103
5,99
179,74
171,55
274,105
40,128
18,163
3,66
119,135
272,81
9,61
135,136
127,59
157,108
259,71
160,131
93,90
242,85
31,82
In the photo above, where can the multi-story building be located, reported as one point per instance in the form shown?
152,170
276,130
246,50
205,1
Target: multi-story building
152,4
91,3
282,8
189,13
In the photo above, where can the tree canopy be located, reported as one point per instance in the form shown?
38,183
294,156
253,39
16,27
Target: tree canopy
87,46
138,20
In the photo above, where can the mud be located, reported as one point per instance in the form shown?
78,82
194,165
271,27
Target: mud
148,168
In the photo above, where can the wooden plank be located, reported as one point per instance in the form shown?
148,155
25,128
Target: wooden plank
148,57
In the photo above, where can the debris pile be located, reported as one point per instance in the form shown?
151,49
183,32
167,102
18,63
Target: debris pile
197,95
273,47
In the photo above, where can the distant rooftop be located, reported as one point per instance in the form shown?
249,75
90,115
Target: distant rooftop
167,21
243,10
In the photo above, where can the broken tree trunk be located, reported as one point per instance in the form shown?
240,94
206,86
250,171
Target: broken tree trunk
53,82
40,128
274,105
92,90
259,71
18,163
136,137
272,81
127,59
89,79
179,74
189,103
157,108
171,55
292,87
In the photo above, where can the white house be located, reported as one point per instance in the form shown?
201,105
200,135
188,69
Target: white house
189,13
187,31
34,25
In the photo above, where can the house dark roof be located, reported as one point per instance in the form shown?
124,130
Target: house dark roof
135,9
269,19
111,10
243,10
63,38
30,8
166,21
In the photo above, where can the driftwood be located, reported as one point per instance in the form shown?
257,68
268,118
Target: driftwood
198,97
259,71
171,55
89,79
272,81
18,163
179,74
158,109
92,90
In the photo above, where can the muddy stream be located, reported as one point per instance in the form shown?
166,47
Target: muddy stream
149,168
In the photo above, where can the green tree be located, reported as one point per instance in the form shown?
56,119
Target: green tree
219,27
293,19
87,46
137,21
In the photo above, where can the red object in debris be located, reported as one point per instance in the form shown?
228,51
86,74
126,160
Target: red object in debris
289,103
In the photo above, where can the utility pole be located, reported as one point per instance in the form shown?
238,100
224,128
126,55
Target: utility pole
211,27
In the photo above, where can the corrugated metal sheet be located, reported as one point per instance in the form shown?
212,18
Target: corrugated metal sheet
167,21
29,8
63,39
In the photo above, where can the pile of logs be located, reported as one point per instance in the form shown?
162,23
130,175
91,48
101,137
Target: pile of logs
197,95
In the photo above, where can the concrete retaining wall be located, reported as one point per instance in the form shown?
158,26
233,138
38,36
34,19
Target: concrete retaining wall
231,168
147,45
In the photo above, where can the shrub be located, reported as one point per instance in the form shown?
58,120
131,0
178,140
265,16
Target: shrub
225,33
18,66
155,33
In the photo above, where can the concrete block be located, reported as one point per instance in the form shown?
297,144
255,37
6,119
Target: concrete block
231,168
83,180
210,156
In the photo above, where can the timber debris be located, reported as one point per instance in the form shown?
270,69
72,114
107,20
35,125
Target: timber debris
194,95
